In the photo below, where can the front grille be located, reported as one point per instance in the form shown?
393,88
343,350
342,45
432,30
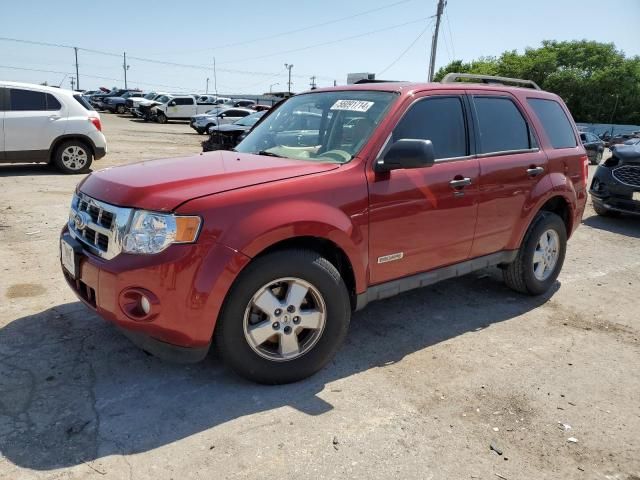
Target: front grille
628,174
98,225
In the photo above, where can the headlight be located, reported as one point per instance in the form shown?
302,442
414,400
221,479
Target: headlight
152,232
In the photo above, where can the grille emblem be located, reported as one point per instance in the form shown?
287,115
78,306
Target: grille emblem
81,220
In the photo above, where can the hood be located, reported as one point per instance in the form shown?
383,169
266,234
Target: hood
148,102
162,185
627,154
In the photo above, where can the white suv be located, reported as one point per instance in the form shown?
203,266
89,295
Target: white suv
51,125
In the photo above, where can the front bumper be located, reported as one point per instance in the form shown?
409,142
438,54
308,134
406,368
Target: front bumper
189,283
610,194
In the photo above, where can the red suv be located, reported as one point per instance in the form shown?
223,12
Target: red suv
269,248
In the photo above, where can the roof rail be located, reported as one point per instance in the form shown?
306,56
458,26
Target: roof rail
454,77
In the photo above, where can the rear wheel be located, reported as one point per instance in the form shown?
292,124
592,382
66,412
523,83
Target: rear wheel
285,317
597,158
73,156
540,257
120,109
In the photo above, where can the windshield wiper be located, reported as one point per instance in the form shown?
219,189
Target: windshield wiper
268,154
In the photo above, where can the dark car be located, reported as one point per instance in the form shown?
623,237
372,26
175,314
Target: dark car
593,145
225,137
615,187
240,102
119,104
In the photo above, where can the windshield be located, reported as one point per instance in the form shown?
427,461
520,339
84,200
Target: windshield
149,96
162,99
249,120
323,126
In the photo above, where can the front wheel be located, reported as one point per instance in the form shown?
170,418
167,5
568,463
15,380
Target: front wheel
596,159
541,255
161,118
284,318
120,109
73,157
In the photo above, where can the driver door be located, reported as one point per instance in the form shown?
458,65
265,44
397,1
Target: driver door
425,218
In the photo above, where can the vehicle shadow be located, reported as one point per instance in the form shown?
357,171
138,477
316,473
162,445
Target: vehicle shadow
30,170
73,389
624,225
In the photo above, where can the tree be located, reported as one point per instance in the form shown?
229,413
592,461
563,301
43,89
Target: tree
591,77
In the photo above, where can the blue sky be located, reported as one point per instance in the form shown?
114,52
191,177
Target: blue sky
251,40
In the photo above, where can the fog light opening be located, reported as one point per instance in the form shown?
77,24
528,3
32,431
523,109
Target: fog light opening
139,304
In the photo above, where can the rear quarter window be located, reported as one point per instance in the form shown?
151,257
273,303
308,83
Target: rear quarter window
83,101
554,121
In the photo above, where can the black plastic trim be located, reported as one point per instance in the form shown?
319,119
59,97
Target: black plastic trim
166,351
26,156
394,287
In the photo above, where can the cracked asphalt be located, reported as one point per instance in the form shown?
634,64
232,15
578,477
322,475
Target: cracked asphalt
424,385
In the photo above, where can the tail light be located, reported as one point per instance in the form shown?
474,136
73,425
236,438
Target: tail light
96,123
585,168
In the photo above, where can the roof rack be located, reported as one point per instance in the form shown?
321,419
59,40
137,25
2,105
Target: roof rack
454,77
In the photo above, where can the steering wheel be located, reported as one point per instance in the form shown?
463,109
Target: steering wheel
339,155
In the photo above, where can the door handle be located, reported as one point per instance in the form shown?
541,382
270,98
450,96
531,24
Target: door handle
534,171
54,117
458,183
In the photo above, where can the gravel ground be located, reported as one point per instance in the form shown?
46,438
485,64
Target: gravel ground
425,385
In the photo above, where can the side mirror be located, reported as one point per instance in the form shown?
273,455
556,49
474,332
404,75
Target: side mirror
406,153
172,103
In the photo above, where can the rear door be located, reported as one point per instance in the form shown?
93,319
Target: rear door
32,122
424,218
511,166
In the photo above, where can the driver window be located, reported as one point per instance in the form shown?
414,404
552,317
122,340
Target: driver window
439,119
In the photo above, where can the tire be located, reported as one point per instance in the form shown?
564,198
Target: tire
522,275
264,362
200,131
161,118
604,212
206,129
120,109
73,156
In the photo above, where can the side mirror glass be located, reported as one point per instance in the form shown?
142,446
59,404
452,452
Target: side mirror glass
406,153
172,104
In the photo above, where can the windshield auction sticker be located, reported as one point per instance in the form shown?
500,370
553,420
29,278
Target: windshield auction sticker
352,105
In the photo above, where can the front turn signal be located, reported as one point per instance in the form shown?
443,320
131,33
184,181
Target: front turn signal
187,229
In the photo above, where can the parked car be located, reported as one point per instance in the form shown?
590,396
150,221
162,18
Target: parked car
271,247
97,100
615,188
142,108
179,107
239,102
227,136
119,104
217,116
49,125
132,103
593,145
260,107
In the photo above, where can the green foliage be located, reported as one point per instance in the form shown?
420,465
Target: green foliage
589,76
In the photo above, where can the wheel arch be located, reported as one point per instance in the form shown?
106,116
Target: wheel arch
327,249
72,136
555,202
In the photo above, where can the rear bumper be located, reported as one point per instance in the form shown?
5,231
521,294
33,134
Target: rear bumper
187,283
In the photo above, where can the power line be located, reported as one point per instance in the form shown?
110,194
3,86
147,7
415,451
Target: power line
331,42
297,30
453,50
415,40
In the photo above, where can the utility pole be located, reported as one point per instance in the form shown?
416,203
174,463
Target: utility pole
289,67
434,41
271,87
215,77
77,74
73,82
207,90
313,83
125,67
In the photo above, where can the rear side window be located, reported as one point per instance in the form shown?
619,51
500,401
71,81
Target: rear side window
439,119
27,100
83,101
184,101
502,127
53,103
554,121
